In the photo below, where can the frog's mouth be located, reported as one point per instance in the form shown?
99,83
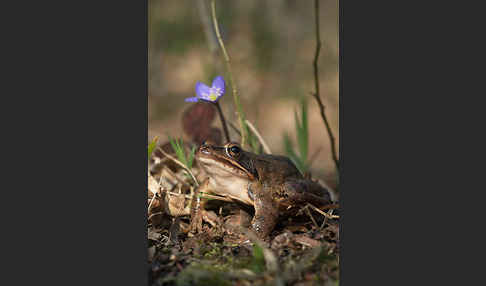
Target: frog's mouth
211,158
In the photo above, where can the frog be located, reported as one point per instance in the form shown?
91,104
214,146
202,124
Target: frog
272,184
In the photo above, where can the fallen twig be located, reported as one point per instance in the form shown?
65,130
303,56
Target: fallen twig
207,196
310,215
323,213
326,218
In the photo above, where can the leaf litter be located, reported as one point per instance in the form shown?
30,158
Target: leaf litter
302,250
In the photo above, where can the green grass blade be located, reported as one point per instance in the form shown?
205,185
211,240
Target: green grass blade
182,152
172,143
289,150
152,145
302,131
179,149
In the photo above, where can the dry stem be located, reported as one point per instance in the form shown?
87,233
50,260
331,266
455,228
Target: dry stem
260,138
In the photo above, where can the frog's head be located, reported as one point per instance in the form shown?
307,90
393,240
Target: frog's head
227,161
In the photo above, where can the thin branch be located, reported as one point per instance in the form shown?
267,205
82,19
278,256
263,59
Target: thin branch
310,215
260,138
236,97
330,216
326,218
316,94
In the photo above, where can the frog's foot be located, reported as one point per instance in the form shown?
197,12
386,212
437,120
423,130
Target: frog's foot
262,226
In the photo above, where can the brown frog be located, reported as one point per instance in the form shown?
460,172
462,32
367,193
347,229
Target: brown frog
270,183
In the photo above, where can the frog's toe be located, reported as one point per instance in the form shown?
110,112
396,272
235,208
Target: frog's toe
263,226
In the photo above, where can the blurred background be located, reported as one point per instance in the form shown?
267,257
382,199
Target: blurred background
272,46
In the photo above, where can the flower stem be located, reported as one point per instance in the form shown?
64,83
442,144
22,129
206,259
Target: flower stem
239,110
223,121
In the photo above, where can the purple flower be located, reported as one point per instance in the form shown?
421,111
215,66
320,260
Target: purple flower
206,93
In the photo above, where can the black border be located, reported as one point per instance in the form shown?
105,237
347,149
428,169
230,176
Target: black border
408,70
75,209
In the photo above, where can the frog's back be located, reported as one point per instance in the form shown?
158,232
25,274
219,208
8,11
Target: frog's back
278,165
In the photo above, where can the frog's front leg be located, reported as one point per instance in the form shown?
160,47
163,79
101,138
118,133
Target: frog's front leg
197,207
266,210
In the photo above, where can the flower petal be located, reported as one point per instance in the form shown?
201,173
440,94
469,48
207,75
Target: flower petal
191,99
202,90
219,83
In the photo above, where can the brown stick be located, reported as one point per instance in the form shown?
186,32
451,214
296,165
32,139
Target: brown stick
316,94
321,212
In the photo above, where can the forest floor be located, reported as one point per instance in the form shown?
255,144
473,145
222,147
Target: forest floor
301,250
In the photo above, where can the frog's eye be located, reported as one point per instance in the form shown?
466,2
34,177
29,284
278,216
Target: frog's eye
234,150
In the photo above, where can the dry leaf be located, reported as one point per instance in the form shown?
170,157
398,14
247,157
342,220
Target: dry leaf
197,119
153,186
177,205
